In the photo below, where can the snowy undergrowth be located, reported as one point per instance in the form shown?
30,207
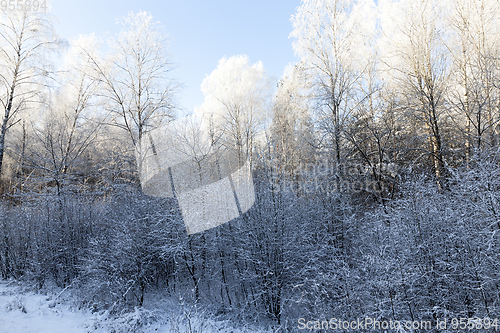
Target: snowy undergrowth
56,310
166,314
23,311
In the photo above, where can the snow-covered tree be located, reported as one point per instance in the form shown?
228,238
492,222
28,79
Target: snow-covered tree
236,102
290,137
332,38
418,64
68,125
474,32
25,39
137,78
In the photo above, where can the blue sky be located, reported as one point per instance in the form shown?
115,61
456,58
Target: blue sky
202,32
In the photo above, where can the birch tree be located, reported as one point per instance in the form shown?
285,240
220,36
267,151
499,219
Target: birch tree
331,38
137,78
26,39
236,97
69,125
291,133
417,61
474,48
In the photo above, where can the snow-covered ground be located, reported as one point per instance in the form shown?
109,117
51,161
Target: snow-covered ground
25,312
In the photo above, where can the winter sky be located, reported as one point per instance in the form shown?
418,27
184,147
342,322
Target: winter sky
202,32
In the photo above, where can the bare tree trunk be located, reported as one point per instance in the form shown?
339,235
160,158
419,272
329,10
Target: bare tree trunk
6,117
436,146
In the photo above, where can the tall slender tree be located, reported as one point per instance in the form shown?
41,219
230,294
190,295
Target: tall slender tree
418,61
25,39
137,78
